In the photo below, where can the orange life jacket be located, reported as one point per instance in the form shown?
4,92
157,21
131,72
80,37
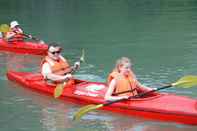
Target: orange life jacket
123,83
16,38
57,67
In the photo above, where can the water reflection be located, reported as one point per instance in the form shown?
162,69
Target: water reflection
56,116
124,123
11,61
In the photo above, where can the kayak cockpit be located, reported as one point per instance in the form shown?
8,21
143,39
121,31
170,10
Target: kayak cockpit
148,95
97,89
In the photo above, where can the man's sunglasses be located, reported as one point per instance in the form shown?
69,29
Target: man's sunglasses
55,52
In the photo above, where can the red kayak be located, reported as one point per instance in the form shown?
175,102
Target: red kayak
156,106
24,47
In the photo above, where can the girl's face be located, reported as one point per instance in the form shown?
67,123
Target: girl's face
125,68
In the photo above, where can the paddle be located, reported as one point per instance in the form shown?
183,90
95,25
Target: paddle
4,28
34,38
184,82
60,87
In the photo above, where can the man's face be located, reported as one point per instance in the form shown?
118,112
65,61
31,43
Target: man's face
54,52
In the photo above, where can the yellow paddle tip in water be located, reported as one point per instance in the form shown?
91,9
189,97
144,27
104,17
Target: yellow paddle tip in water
4,28
58,90
82,111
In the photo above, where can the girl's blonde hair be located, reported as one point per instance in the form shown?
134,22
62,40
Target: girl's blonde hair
122,61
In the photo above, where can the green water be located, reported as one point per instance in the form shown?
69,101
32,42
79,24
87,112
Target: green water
158,35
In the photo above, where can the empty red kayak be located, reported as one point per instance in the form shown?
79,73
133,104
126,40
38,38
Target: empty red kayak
24,47
156,106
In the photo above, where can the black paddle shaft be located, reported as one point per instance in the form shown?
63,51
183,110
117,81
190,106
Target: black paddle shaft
33,38
139,95
73,70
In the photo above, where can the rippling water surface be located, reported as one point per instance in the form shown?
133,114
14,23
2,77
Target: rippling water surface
158,35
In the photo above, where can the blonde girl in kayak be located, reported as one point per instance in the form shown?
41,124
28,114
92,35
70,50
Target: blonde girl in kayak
122,79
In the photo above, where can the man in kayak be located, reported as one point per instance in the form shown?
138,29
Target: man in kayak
55,67
122,79
16,33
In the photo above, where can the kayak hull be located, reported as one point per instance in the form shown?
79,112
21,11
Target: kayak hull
155,106
24,47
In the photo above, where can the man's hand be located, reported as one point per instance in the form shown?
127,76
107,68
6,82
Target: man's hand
68,76
77,65
30,36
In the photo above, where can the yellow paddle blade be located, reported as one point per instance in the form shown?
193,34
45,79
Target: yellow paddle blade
58,90
186,81
82,56
4,28
82,111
